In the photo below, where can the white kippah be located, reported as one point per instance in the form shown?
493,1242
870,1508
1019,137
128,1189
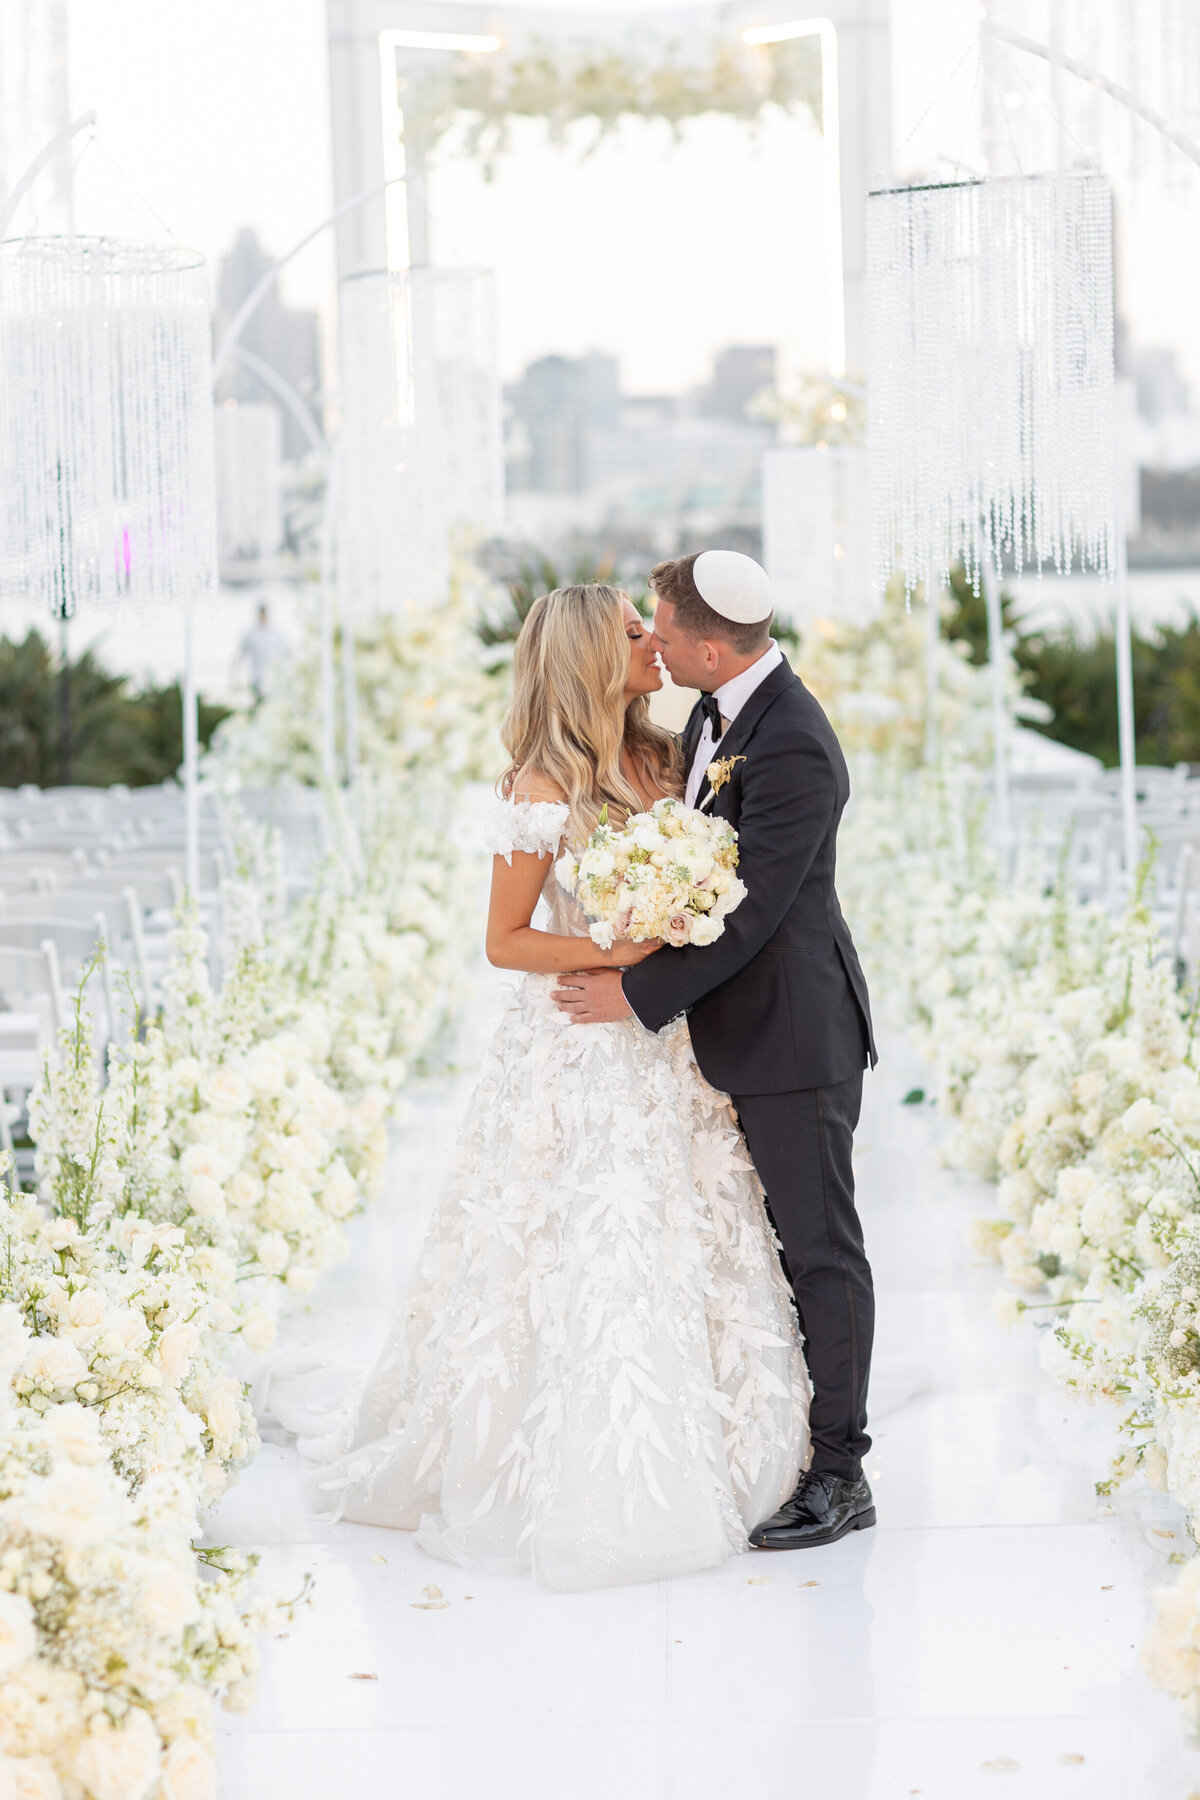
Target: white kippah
733,585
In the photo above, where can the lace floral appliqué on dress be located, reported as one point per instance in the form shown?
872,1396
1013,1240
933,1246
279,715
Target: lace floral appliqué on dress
596,1374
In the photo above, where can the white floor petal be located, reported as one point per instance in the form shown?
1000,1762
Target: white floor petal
982,1641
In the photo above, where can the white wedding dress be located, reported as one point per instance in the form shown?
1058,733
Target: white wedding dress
597,1374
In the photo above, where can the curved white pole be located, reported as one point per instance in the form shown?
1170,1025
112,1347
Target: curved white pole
1122,95
261,288
284,391
38,164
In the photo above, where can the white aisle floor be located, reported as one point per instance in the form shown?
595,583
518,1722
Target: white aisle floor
981,1641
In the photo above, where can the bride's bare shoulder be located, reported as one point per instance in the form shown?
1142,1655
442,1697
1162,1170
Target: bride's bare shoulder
532,784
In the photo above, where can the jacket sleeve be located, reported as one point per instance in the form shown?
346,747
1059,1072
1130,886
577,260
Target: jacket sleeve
789,796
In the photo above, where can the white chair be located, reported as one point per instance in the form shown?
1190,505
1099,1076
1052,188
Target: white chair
32,1011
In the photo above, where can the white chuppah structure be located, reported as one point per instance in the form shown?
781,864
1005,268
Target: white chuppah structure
813,512
373,44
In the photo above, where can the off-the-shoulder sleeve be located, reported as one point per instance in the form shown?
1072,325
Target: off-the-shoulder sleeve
535,826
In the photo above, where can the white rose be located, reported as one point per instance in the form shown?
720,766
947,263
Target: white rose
85,1309
733,896
697,859
75,1434
168,1601
225,1090
222,1416
1076,1185
272,1252
597,864
244,1190
176,1348
566,871
35,1779
206,1197
137,1238
288,1204
266,1070
340,1192
119,1764
1142,1118
18,1632
200,1159
213,1267
706,929
188,1772
74,1506
258,1332
301,1281
298,1152
128,1326
54,1362
369,1111
602,934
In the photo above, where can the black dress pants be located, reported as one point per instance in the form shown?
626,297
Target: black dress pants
801,1144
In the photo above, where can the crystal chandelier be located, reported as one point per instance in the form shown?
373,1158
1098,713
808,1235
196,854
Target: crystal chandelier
107,487
990,376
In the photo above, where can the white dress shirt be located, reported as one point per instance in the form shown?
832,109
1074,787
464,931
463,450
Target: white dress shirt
731,698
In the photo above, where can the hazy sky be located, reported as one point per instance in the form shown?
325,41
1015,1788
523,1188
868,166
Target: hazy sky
216,113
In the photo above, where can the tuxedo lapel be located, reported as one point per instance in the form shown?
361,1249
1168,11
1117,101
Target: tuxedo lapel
742,729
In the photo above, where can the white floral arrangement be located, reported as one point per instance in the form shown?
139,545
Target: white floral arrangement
1063,1060
186,1193
669,874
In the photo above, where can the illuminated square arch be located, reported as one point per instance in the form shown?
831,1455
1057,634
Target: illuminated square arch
854,36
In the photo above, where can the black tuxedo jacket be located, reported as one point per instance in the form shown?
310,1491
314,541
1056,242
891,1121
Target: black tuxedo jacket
779,1001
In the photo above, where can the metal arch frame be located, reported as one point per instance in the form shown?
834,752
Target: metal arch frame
863,95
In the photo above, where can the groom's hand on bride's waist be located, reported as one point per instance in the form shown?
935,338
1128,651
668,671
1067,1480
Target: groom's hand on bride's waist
595,997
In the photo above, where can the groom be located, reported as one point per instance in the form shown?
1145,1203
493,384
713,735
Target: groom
777,1007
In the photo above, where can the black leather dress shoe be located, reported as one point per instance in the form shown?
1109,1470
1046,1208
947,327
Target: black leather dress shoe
822,1509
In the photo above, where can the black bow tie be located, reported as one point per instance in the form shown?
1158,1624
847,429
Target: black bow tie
711,711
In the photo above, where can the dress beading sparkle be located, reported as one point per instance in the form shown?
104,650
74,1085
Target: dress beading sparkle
597,1374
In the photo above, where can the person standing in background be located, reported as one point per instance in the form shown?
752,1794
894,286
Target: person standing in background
261,647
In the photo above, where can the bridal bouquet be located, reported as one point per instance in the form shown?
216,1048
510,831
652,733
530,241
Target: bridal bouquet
668,873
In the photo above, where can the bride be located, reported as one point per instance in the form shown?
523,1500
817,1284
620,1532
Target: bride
596,1374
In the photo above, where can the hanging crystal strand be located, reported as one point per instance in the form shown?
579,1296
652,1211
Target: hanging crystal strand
991,376
106,456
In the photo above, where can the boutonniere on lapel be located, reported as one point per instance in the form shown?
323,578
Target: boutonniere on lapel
719,772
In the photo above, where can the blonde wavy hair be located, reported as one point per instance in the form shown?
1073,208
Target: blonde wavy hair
568,720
